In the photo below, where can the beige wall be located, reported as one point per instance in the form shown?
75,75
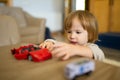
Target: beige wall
52,10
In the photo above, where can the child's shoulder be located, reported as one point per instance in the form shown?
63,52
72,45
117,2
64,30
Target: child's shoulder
92,45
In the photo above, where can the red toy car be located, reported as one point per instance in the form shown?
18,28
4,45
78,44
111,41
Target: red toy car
39,55
31,52
22,52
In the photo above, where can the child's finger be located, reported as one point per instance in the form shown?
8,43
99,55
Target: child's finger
58,51
66,57
50,45
43,45
60,54
40,45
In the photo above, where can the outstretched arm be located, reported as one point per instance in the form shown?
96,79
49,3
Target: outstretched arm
65,51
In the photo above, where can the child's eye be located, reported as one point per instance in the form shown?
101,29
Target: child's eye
78,32
68,31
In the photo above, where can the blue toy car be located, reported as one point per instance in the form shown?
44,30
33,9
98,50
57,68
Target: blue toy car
72,70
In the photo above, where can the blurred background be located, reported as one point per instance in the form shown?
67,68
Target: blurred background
106,11
54,12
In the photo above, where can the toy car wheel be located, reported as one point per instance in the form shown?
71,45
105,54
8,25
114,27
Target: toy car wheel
89,73
29,57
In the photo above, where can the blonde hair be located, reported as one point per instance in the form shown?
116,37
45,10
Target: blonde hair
87,20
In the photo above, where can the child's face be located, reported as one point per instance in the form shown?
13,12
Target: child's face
77,35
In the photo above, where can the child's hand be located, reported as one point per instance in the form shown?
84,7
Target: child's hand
47,44
64,51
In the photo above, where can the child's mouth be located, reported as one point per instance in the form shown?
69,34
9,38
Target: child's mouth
73,42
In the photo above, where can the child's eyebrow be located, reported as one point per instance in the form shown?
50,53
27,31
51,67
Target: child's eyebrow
78,30
68,30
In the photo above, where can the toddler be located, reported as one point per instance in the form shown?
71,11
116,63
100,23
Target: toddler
81,31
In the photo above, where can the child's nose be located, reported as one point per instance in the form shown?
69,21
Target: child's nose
72,36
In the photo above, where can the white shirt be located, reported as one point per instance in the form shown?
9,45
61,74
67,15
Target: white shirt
97,52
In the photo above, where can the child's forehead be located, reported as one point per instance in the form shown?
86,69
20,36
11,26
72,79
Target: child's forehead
76,28
76,21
